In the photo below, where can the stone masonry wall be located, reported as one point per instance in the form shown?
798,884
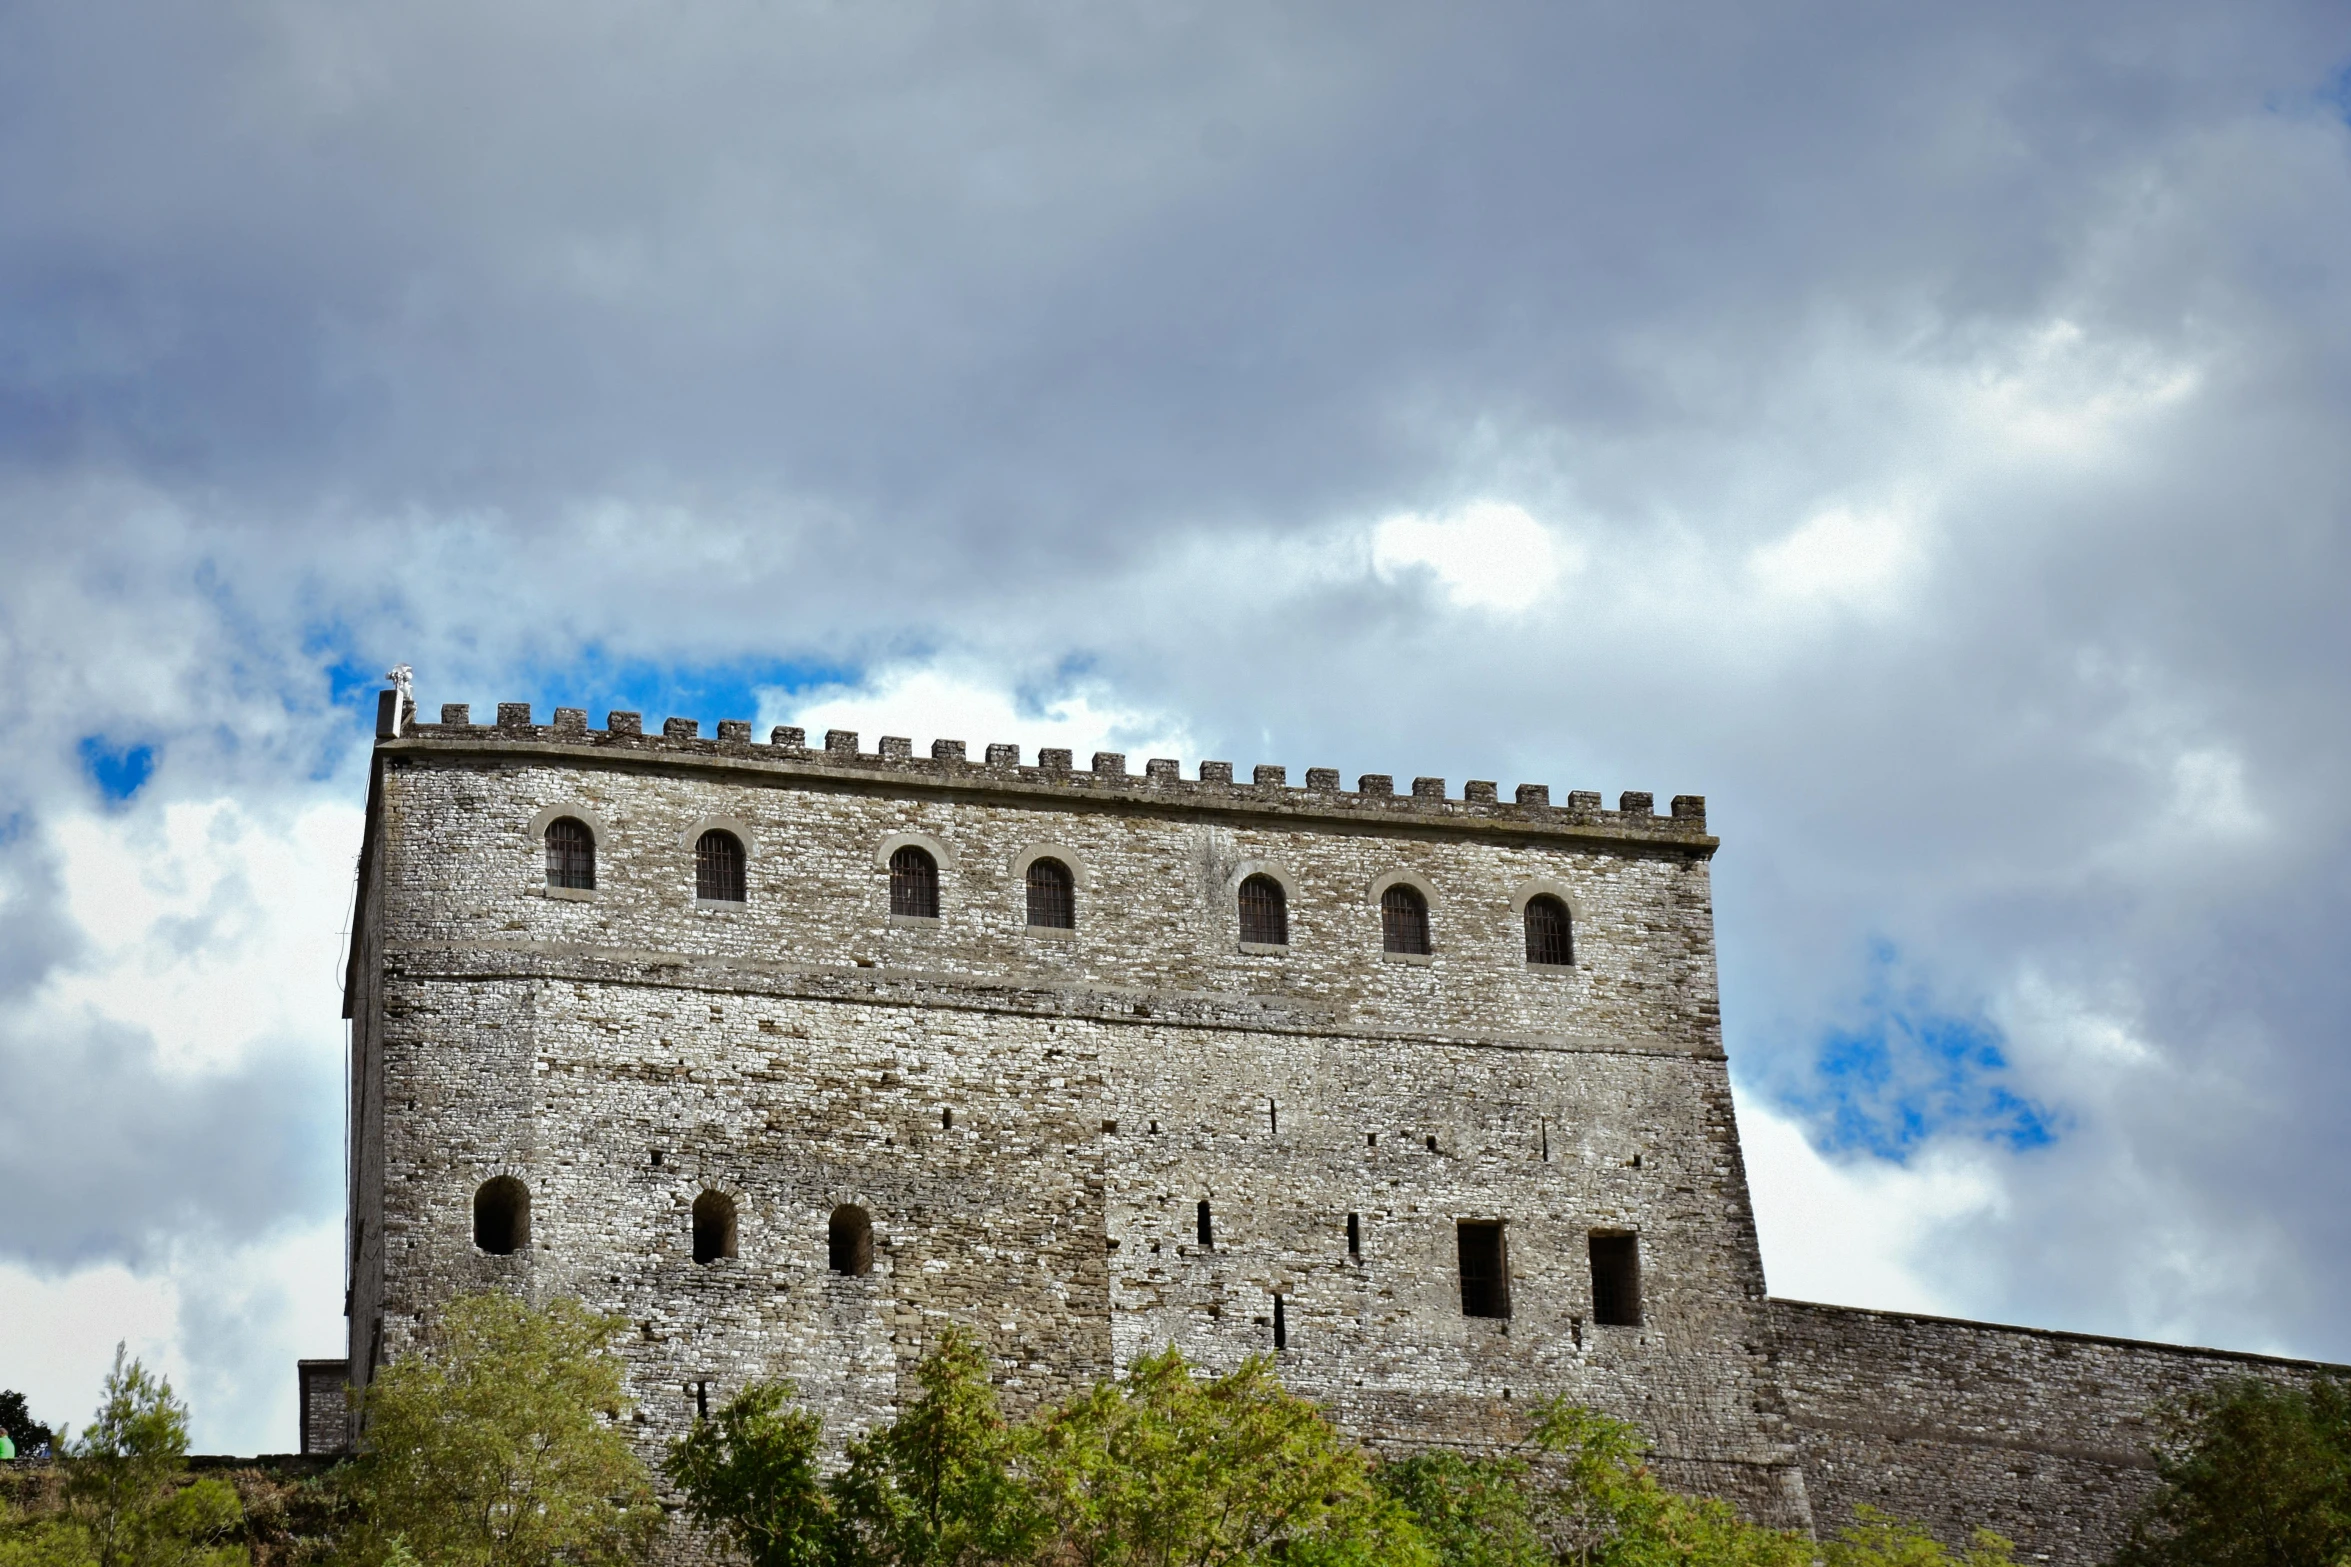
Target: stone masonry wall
1032,1117
2040,1436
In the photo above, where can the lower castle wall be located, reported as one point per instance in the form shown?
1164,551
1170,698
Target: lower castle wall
2043,1437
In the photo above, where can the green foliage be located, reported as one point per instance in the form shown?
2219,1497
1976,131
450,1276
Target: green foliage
1876,1540
1167,1469
750,1476
127,1501
503,1446
1474,1512
1610,1511
1163,1470
2253,1475
936,1487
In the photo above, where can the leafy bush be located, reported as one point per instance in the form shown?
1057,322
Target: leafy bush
2253,1475
502,1446
127,1500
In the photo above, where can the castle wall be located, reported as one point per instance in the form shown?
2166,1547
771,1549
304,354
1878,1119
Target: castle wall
805,1050
2042,1437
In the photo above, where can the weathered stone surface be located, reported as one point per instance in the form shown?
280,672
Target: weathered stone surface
1033,1118
2042,1436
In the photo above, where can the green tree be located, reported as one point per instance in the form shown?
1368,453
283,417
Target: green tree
1163,1470
127,1498
935,1487
16,1418
1474,1512
2252,1475
1878,1540
502,1445
1606,1509
749,1475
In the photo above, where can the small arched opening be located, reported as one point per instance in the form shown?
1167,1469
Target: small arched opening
1404,920
914,884
571,854
714,1227
850,1239
1265,912
718,867
1550,935
502,1216
1053,900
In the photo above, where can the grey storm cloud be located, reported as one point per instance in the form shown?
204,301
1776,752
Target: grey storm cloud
1937,413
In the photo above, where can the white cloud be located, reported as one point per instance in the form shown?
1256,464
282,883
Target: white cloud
1861,1233
2057,392
208,925
224,1325
1857,559
976,706
1489,555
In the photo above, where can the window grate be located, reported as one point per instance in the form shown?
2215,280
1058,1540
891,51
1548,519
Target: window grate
1550,936
914,884
1053,899
1485,1269
1265,913
571,854
718,868
1404,920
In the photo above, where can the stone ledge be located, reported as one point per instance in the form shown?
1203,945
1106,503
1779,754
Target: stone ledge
900,987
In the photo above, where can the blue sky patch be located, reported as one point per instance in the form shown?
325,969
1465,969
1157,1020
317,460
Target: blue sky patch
118,771
1907,1072
602,684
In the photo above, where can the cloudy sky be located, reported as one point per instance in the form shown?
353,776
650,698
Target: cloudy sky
1920,430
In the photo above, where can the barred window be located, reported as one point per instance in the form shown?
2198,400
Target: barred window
1485,1269
714,1227
1404,920
1550,937
1265,912
718,867
914,884
1053,898
502,1216
571,854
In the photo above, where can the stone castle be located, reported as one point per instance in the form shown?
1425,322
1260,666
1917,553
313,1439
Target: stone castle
794,1055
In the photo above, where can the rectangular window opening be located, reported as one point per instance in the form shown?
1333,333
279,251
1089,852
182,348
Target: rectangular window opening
1281,1325
1207,1228
1354,1236
1485,1269
1616,1281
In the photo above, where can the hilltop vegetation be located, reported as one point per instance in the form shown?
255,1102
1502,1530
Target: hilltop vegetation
507,1445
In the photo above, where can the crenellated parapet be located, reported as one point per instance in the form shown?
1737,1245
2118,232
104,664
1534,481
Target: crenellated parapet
1000,766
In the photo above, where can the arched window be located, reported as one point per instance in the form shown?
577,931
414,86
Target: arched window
1550,937
718,867
1053,898
1265,912
571,853
502,1216
714,1227
851,1234
1404,920
914,883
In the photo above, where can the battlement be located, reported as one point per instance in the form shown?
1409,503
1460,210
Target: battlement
1000,768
